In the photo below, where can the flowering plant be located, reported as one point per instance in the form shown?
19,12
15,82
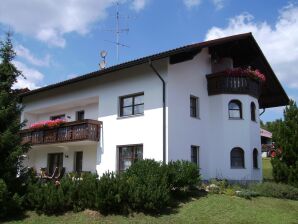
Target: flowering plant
255,74
47,124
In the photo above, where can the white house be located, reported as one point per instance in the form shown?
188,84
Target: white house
176,105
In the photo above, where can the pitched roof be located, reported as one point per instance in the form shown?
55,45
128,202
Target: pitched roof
279,91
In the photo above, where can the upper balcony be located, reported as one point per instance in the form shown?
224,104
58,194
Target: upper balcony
68,132
225,82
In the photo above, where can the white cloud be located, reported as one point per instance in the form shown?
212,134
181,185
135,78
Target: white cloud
278,42
32,78
25,53
49,20
139,5
219,4
191,3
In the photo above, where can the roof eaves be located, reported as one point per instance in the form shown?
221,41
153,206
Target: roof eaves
140,61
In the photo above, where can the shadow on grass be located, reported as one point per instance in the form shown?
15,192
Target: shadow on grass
178,198
14,217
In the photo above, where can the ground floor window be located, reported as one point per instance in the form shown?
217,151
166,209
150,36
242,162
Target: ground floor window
237,158
255,158
195,154
54,160
128,155
78,162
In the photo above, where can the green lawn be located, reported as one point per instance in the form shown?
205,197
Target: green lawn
267,169
210,209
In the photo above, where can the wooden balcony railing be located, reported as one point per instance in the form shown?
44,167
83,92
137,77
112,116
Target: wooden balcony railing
68,132
221,83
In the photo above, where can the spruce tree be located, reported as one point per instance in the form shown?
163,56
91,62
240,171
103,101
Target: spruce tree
285,164
11,148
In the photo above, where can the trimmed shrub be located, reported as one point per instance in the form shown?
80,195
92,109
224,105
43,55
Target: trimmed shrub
46,198
275,190
80,193
182,174
148,186
9,204
145,186
111,193
247,194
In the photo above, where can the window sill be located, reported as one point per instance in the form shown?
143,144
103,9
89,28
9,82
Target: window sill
238,168
235,119
197,118
130,116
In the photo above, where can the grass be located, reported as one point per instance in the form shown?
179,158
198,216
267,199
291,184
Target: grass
210,209
267,169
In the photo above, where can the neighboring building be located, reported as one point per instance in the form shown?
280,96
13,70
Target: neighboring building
175,105
266,142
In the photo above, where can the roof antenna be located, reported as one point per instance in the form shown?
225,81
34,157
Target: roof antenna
103,64
118,30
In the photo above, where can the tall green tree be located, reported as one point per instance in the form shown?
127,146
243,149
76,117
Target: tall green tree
11,148
285,133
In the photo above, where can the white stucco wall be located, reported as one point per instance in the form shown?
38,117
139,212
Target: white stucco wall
212,131
145,129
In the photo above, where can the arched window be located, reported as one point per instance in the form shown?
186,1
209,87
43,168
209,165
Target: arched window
235,109
237,158
253,111
255,158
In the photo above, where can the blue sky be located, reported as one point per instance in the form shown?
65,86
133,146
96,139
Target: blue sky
56,40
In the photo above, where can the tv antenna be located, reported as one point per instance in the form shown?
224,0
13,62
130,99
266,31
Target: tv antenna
118,30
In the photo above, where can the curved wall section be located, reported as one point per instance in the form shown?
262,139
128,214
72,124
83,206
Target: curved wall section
229,133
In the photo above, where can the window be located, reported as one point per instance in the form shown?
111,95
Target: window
61,116
253,111
195,155
237,158
235,110
132,105
128,155
80,115
194,103
78,162
54,160
255,159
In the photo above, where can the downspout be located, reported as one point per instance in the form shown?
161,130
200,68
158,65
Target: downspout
264,109
163,110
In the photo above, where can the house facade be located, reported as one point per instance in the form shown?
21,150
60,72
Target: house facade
178,104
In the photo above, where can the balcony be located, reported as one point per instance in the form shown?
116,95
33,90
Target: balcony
67,132
221,83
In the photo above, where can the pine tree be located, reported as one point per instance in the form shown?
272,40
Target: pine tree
285,164
11,148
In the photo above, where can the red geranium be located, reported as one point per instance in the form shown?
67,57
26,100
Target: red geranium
48,123
256,74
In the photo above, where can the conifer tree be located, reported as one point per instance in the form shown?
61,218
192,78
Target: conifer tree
285,164
11,148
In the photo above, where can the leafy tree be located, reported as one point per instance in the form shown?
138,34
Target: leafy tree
285,164
11,148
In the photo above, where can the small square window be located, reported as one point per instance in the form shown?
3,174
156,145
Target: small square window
80,115
194,104
132,105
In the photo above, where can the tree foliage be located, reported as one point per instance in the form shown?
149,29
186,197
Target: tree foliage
11,148
285,136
